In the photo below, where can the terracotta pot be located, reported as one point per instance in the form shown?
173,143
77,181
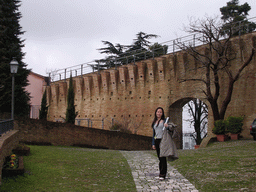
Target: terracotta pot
197,146
234,136
222,138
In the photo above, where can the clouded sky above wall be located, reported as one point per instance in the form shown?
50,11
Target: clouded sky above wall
64,33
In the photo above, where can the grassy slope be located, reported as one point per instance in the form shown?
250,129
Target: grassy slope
72,169
223,166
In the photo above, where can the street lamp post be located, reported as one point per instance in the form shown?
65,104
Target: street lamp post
14,68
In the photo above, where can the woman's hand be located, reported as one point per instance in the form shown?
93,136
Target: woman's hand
166,125
153,147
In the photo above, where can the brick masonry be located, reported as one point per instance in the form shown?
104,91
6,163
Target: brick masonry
33,131
132,92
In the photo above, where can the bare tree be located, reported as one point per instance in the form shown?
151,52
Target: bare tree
199,119
215,62
127,124
135,124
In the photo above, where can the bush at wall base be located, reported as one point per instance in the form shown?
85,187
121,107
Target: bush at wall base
234,124
220,130
21,150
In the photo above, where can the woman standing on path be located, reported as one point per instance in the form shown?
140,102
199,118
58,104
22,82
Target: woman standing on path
158,125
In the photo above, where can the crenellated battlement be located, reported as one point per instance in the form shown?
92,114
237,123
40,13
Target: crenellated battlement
135,90
101,83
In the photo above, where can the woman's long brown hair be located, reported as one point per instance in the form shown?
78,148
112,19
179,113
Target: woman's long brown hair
155,119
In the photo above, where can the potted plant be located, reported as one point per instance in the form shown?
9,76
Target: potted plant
234,126
220,130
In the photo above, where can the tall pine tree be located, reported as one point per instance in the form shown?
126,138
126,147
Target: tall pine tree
140,49
235,18
71,113
10,47
44,109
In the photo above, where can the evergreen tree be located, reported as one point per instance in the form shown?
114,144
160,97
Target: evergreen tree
71,113
44,109
158,50
140,49
235,18
10,47
114,52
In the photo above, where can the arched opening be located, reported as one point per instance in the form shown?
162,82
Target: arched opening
178,113
195,123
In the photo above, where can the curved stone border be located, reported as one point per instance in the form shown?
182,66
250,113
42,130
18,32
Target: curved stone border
8,142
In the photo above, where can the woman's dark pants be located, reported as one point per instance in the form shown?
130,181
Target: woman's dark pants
163,162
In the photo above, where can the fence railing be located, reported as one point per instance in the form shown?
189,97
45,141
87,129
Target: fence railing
188,141
89,122
5,125
174,45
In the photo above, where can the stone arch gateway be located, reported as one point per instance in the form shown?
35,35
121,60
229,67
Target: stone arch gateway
135,90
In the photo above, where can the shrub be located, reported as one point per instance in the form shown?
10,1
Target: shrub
115,127
219,127
235,124
70,112
119,127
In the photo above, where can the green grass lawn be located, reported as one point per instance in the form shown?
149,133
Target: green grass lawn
72,169
222,166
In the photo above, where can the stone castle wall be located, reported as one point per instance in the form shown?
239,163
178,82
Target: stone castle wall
131,93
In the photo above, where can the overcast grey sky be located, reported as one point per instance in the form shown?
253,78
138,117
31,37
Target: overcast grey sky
64,33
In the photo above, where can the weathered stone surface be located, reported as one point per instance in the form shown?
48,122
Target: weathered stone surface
133,92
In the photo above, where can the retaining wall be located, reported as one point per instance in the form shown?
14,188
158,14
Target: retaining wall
33,131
